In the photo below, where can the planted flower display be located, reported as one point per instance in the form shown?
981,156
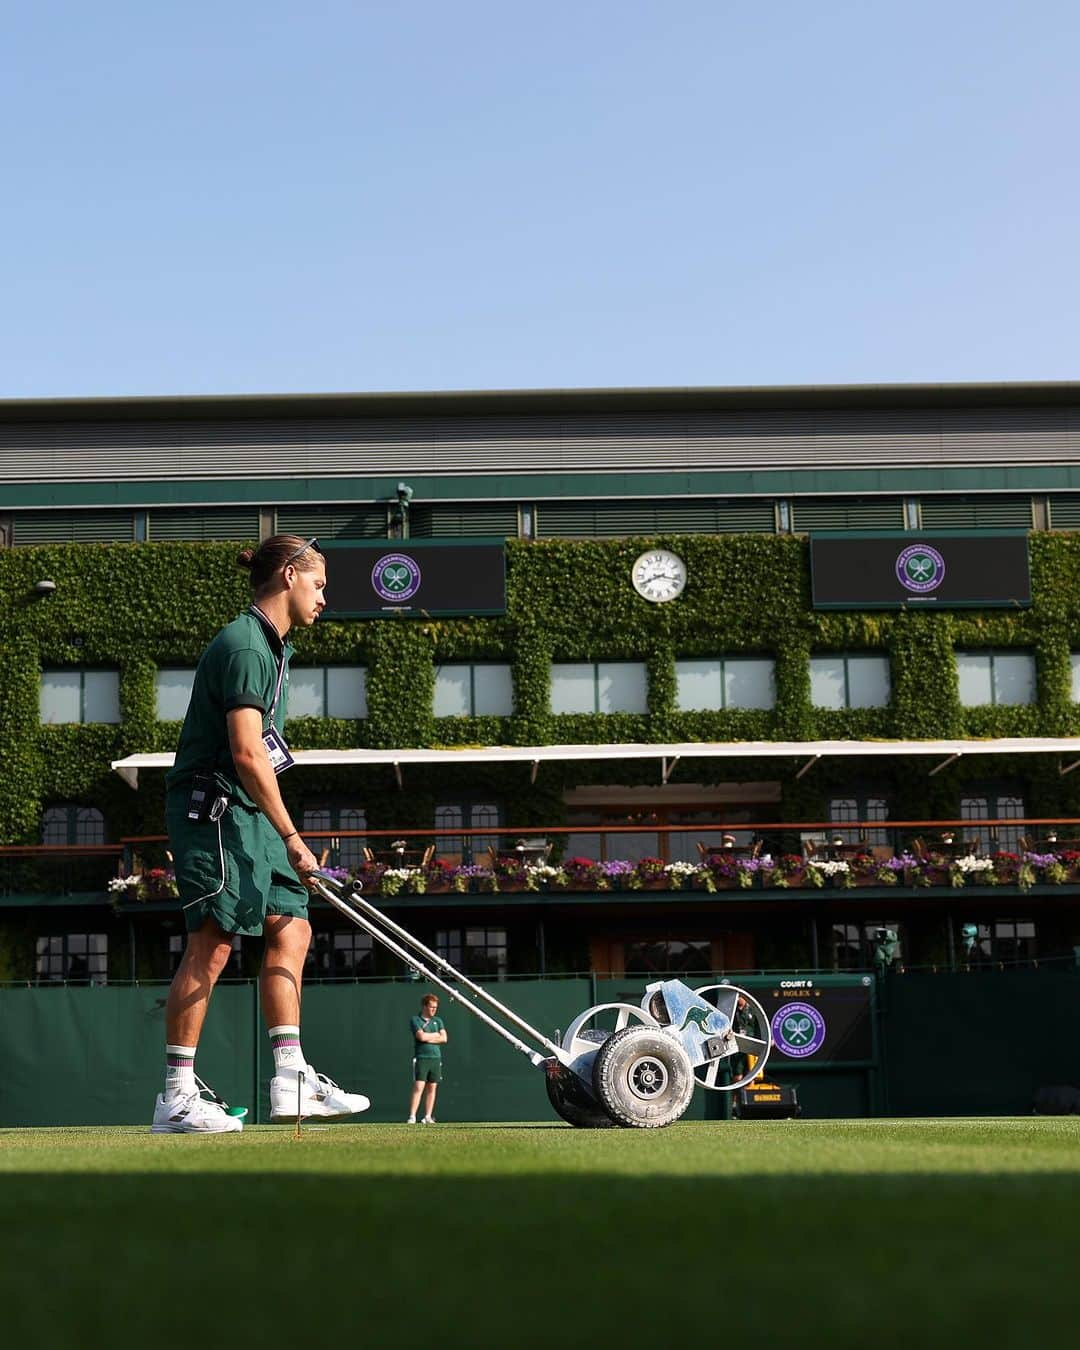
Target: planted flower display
719,871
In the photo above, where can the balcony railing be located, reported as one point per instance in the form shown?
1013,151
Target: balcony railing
775,855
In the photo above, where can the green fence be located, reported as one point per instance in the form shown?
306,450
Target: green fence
942,1045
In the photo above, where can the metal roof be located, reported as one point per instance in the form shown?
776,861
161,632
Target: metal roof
667,754
466,402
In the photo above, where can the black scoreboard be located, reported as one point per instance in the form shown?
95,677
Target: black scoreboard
414,578
901,570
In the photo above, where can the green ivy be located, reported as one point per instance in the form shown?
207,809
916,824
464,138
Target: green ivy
139,606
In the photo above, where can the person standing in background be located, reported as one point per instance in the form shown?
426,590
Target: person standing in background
429,1036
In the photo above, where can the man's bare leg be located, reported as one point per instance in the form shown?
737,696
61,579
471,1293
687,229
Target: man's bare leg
417,1089
205,957
430,1090
282,974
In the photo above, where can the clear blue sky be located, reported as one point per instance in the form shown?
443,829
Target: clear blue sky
250,197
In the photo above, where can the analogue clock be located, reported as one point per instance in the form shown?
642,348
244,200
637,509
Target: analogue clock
659,575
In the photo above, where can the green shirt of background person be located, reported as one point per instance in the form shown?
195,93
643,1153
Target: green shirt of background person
429,1036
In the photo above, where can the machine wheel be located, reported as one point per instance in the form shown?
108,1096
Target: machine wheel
570,1099
643,1078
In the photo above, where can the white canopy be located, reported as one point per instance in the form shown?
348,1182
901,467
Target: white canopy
667,755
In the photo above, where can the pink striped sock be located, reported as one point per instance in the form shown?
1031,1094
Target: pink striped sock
285,1043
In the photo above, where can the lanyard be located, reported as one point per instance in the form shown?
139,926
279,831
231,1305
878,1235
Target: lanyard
281,664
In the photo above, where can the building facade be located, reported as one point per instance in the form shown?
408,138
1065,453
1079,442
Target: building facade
120,521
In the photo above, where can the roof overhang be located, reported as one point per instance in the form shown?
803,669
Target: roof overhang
667,755
539,402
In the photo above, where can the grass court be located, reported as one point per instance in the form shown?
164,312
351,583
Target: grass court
831,1233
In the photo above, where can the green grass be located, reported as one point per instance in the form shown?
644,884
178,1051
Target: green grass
838,1233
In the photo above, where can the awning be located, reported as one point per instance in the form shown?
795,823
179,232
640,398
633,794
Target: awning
667,756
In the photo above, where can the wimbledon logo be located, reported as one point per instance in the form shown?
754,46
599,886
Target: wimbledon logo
798,1030
395,577
920,568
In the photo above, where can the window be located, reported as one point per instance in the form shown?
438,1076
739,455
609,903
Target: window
725,682
81,957
79,696
1012,941
661,956
599,686
470,815
993,806
66,824
853,944
172,692
849,681
177,943
474,951
328,691
995,677
341,953
1074,662
483,690
864,808
347,852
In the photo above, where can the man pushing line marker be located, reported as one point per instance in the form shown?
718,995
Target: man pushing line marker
241,866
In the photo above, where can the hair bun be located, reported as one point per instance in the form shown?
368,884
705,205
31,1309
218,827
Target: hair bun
245,558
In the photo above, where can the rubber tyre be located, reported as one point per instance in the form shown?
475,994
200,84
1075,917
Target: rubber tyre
622,1061
570,1099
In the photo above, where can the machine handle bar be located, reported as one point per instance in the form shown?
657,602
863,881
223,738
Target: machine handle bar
367,917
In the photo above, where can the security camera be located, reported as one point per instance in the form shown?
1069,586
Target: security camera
404,492
44,587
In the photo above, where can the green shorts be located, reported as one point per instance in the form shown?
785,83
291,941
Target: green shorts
235,871
427,1070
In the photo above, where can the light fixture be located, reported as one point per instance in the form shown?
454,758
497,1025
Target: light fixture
838,841
1051,836
969,935
44,587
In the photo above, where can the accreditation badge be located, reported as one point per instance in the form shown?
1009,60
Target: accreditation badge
280,759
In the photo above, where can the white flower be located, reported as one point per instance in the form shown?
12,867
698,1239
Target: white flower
680,869
973,864
829,867
117,884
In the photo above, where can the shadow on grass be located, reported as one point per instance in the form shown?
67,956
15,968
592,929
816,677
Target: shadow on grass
268,1260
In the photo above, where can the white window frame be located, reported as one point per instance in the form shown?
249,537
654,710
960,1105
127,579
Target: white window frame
992,657
323,676
597,674
723,662
846,657
472,667
82,673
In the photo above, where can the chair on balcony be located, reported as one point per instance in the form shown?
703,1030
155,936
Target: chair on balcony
400,857
524,851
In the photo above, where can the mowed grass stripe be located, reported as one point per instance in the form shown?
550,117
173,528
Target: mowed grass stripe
816,1233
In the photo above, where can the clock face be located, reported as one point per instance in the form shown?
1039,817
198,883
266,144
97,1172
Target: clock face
659,575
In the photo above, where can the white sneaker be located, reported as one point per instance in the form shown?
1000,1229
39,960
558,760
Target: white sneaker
428,1120
191,1113
410,1120
321,1096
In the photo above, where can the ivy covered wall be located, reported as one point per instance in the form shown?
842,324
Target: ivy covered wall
135,607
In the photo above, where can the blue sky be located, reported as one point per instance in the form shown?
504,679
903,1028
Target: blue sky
242,197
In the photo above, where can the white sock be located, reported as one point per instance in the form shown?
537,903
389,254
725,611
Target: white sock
180,1070
285,1043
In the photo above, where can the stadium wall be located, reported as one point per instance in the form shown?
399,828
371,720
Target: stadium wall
953,1045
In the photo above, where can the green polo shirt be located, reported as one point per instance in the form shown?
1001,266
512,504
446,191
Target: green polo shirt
426,1049
239,669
